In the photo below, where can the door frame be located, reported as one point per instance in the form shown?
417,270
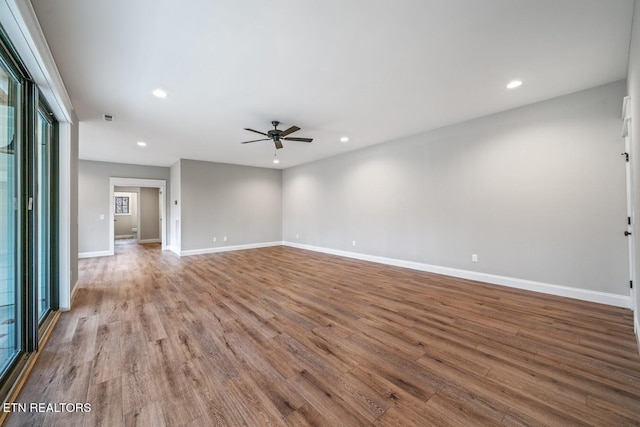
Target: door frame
161,184
631,223
628,147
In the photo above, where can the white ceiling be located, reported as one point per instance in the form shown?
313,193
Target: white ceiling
373,70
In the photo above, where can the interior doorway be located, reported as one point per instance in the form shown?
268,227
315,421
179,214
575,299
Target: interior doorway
137,211
126,215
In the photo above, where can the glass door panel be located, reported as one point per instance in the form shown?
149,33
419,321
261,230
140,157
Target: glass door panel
9,246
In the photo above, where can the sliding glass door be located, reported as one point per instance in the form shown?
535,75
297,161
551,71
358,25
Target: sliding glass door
28,216
10,90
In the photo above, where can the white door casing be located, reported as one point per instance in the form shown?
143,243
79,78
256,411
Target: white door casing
628,147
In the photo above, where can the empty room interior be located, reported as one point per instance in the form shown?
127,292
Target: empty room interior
336,213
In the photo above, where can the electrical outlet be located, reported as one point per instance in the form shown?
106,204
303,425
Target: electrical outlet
102,217
474,257
215,239
224,238
353,243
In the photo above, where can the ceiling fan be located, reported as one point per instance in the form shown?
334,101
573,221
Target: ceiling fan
277,135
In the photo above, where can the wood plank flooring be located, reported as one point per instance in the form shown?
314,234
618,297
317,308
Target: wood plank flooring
286,337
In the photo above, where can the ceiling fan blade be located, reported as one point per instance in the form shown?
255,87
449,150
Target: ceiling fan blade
299,139
256,140
278,144
289,131
256,131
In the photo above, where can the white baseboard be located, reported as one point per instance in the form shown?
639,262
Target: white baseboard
547,288
149,241
123,236
228,248
94,254
636,328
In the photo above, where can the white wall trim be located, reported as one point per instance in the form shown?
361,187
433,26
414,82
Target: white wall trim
65,193
149,241
229,248
636,329
94,254
626,107
547,288
174,249
73,292
123,236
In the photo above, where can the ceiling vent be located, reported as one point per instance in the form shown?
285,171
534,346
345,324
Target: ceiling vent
107,117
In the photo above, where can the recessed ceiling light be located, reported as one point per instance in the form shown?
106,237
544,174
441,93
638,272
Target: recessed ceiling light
159,93
142,144
514,84
344,139
276,161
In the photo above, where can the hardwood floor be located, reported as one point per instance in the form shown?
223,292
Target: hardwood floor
281,336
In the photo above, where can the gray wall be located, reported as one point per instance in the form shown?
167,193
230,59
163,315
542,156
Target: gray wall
93,195
537,192
240,202
633,89
149,214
